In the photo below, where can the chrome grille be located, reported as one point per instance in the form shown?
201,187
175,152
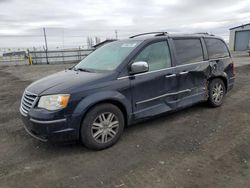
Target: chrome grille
28,101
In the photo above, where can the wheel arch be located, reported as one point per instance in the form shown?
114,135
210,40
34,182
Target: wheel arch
117,103
223,78
110,101
112,97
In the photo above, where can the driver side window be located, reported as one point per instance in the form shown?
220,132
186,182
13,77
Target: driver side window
156,55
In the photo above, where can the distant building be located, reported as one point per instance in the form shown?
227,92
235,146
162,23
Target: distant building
103,43
239,39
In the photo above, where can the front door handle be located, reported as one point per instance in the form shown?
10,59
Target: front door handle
184,72
170,75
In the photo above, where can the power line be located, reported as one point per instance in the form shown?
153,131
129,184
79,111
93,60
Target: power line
50,36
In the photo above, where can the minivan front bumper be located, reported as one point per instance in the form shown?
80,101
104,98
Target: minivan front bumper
51,130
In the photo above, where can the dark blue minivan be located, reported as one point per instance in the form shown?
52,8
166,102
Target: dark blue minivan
124,82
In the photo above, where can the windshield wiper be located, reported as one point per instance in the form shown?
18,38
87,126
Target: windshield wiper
81,69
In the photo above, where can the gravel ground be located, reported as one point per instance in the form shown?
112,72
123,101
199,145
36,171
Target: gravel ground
196,147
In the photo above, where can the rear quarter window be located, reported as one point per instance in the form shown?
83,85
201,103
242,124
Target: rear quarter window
188,51
216,48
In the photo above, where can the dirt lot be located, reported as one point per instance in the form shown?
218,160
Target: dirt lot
195,147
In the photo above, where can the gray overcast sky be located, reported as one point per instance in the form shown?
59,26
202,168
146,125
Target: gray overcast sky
70,22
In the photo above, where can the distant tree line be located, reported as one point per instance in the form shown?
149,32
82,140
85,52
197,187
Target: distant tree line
91,42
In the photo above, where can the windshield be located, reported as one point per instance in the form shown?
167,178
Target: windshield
108,57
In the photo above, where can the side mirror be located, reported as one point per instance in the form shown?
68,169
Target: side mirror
139,67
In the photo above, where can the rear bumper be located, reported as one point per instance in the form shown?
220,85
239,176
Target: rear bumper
57,130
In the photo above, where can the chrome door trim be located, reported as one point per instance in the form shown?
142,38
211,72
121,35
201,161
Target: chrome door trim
192,63
125,77
214,59
164,95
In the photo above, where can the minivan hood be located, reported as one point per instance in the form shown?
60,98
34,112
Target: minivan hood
63,82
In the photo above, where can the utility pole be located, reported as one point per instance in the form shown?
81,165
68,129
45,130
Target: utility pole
116,34
46,46
63,38
63,45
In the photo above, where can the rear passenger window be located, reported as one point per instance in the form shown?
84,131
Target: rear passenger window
216,48
188,51
156,55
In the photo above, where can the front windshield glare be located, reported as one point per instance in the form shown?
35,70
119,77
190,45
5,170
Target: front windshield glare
108,57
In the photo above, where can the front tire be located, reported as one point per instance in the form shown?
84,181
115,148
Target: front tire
102,126
217,91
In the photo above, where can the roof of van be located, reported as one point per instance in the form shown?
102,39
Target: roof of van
155,35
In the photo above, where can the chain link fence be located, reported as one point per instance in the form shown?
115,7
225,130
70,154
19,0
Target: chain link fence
45,57
58,56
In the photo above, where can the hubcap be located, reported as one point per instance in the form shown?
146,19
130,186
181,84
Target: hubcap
105,127
218,92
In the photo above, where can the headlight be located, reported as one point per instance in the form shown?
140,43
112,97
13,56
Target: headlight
54,102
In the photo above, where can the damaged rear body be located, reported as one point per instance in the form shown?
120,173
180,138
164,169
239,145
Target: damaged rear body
194,62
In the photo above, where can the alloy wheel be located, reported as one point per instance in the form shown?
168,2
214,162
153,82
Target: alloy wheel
105,127
217,92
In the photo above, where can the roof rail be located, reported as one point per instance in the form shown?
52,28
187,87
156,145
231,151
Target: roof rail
160,33
205,33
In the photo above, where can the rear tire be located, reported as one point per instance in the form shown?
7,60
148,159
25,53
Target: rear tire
216,92
102,126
